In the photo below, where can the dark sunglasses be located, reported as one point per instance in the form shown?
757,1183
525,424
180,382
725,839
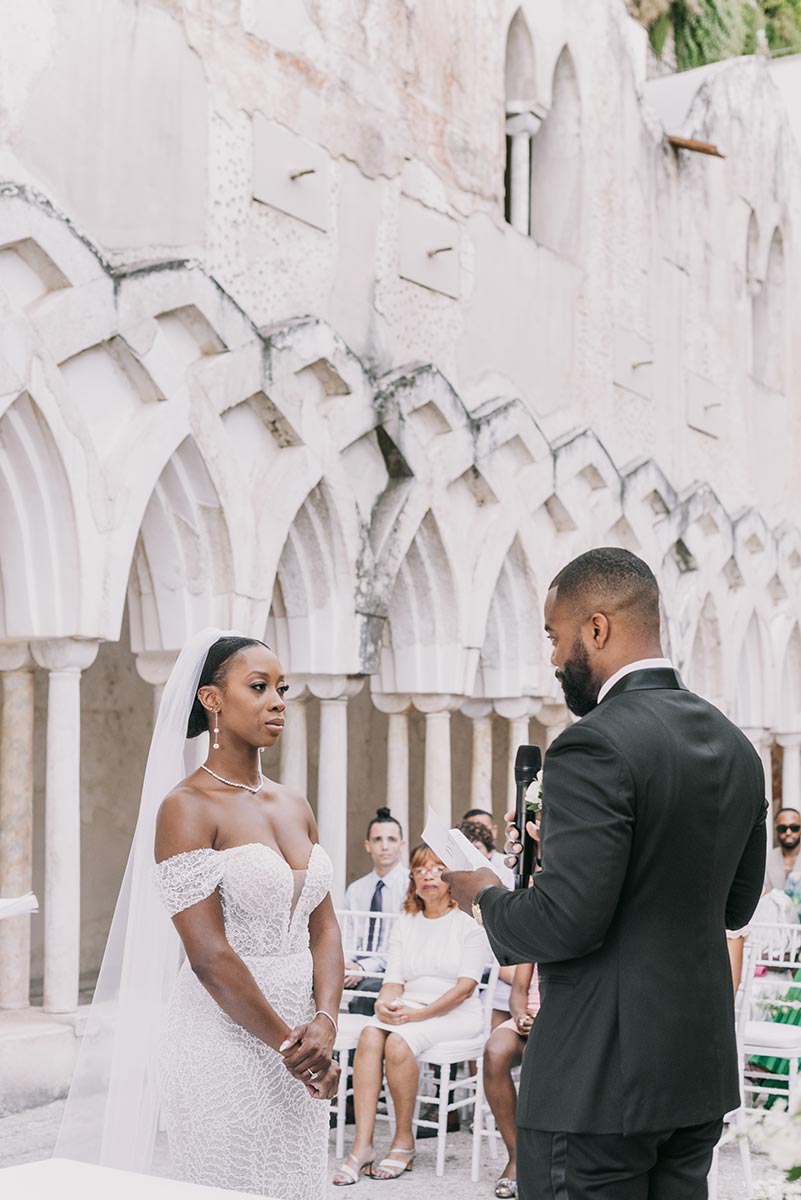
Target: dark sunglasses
788,828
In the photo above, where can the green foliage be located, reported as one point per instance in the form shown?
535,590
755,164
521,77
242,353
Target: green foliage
706,31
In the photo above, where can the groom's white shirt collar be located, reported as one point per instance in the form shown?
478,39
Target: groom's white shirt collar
643,664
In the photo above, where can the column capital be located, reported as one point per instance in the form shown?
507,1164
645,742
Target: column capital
65,656
334,687
477,709
516,708
436,704
788,741
553,714
14,656
758,736
154,666
391,703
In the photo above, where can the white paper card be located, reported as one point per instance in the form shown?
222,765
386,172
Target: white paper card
18,906
452,846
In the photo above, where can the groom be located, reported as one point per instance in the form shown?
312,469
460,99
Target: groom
653,844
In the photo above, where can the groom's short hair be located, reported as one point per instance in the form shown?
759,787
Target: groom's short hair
610,580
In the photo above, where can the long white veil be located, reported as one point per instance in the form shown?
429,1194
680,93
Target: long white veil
112,1111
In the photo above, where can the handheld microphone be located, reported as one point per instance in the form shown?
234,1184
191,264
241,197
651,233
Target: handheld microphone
528,762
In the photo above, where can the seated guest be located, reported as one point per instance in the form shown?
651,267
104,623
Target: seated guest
479,834
497,860
504,1052
783,867
382,891
435,958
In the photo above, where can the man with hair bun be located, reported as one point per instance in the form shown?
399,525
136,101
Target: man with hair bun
382,890
652,845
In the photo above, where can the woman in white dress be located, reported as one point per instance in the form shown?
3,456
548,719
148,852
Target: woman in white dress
222,1031
435,959
247,1051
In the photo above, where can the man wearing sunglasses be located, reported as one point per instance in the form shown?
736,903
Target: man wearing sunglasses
784,863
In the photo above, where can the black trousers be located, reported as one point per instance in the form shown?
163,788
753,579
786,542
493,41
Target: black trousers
591,1166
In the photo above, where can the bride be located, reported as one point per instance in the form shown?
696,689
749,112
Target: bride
234,1046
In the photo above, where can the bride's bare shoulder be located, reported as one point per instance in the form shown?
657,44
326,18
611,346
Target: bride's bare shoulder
185,820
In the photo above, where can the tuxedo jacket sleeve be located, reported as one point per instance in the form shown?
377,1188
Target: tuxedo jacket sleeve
749,881
587,822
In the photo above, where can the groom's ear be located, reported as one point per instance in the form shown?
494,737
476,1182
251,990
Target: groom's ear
599,630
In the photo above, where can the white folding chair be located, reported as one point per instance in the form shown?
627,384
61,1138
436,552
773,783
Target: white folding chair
735,1126
355,928
444,1056
483,1120
778,953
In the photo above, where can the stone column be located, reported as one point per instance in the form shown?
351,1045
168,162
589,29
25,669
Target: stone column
154,666
64,659
518,712
333,692
16,819
397,708
555,719
293,746
480,714
437,787
761,740
520,128
791,769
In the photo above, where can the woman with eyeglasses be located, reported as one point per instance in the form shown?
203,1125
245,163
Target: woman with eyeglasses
435,959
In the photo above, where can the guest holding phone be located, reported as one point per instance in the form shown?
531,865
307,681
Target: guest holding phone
435,959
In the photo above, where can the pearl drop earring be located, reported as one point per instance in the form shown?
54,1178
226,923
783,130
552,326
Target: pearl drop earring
215,745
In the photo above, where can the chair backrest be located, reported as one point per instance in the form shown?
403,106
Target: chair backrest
745,992
488,997
777,958
365,932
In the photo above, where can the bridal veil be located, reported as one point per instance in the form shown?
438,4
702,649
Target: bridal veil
112,1110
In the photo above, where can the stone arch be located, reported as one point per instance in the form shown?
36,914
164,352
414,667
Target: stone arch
751,701
422,650
789,706
39,548
511,654
522,121
556,166
182,574
705,664
768,319
314,594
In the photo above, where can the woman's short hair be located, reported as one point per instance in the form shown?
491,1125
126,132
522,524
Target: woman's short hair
421,856
475,832
215,668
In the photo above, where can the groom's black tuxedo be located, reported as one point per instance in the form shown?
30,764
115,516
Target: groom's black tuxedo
653,844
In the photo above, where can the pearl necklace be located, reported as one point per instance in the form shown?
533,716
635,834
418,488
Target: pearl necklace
245,786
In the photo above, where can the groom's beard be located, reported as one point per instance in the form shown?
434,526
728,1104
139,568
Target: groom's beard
578,685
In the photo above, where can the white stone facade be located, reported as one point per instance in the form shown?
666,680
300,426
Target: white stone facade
272,356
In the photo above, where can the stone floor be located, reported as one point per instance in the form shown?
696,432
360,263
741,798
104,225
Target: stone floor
30,1135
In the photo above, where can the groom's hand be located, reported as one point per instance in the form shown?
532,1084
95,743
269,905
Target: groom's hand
513,847
465,885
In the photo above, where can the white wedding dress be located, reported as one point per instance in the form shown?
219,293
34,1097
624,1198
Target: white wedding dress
235,1117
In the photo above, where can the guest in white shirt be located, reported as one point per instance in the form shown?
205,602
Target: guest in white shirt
435,959
381,891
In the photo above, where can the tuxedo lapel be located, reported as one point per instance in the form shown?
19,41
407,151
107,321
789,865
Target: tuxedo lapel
649,679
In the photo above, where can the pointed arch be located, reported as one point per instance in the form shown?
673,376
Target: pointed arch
39,557
751,696
512,652
705,666
519,71
522,121
421,647
790,696
768,319
181,577
556,166
313,599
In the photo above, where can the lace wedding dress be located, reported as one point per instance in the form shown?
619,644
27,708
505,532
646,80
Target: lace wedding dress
235,1117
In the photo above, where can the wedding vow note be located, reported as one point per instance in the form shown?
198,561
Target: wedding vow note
451,845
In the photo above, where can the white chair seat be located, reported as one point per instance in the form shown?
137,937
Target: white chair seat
350,1027
445,1053
771,1037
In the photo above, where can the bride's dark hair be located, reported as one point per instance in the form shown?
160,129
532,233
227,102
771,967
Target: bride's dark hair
215,669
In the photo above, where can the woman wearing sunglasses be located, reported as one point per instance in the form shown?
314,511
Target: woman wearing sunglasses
435,959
